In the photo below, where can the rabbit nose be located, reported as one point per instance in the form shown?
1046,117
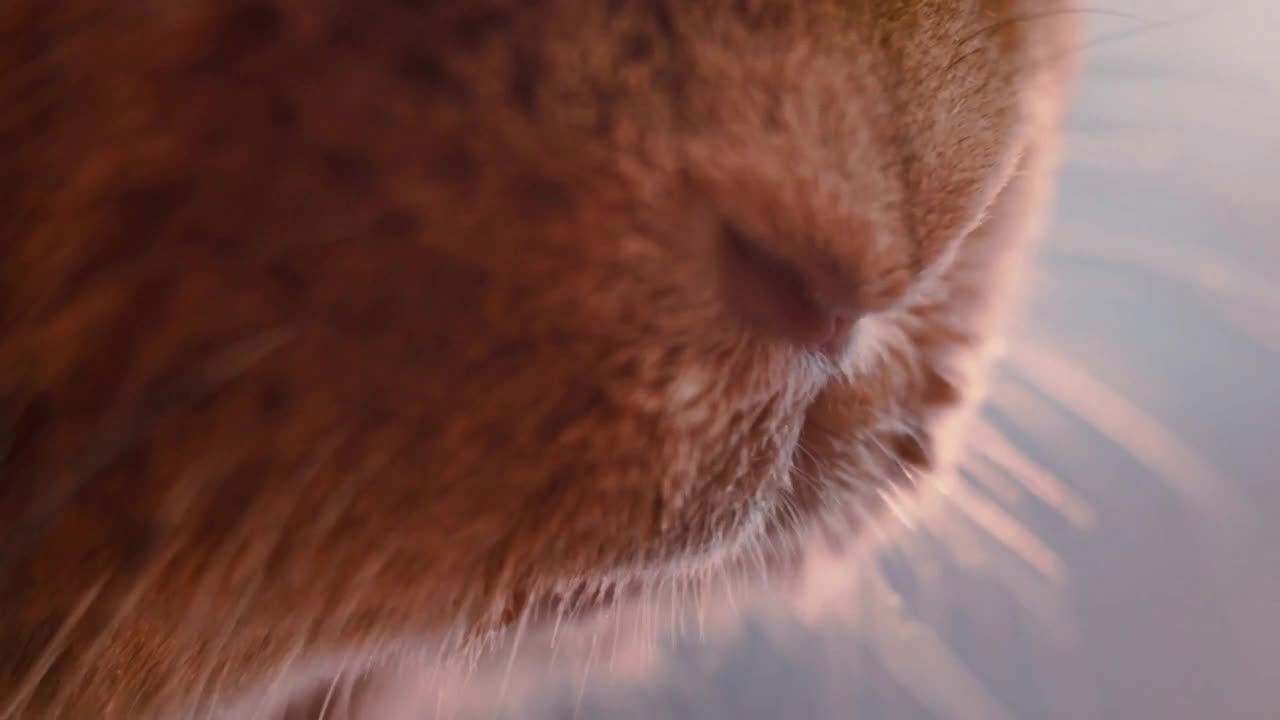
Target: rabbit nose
812,304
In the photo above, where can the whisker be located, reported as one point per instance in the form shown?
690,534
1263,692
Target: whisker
984,473
1151,26
328,695
1034,593
56,646
440,692
511,660
897,511
257,553
677,609
129,428
1245,302
958,535
616,630
729,594
1199,271
154,559
586,674
1034,477
1011,533
1145,438
918,659
700,600
1033,17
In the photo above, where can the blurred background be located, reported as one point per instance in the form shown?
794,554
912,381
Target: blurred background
1109,550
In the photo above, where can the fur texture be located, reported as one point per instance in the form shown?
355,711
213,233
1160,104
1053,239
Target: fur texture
330,325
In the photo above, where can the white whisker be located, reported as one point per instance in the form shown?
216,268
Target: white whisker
1034,477
338,679
1012,534
1148,440
586,674
511,659
918,659
56,646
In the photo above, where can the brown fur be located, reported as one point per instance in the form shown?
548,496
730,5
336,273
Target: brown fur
332,324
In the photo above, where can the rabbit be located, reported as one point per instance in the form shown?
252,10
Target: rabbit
328,326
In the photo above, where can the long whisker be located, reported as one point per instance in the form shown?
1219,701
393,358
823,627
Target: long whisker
127,429
1198,271
1034,477
256,557
338,679
586,674
152,561
1011,534
991,477
919,660
1033,17
1145,438
53,650
511,660
1244,301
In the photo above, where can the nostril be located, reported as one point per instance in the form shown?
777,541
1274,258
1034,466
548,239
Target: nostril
805,304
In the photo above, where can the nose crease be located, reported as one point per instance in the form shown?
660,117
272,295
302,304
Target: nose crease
812,305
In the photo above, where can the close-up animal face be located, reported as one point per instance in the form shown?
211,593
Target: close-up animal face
328,326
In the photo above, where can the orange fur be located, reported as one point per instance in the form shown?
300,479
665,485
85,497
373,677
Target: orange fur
328,325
